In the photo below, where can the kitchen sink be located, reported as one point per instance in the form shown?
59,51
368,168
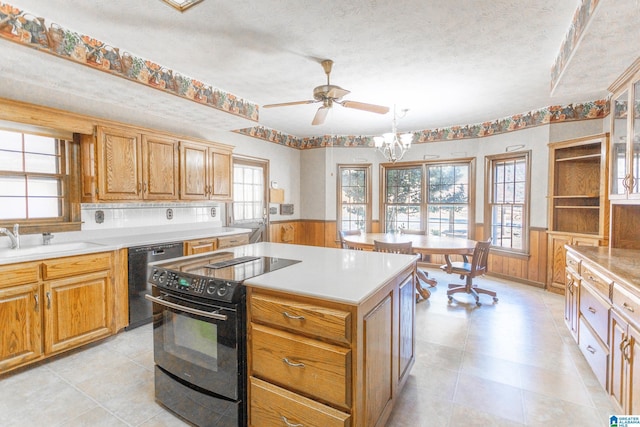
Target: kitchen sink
53,248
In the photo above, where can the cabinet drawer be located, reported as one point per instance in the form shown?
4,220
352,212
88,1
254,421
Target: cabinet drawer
71,266
313,368
272,406
573,263
19,274
627,303
595,311
594,351
309,319
601,283
229,241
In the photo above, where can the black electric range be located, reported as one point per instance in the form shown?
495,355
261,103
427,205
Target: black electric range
214,276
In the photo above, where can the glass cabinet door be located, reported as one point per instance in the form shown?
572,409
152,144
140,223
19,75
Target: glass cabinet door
635,141
619,145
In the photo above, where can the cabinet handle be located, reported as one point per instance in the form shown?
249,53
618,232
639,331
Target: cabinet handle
623,342
625,182
289,423
291,316
628,307
36,298
593,310
625,349
294,364
139,187
144,186
48,300
591,349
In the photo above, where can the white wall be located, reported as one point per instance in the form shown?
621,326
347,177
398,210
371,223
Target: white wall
319,166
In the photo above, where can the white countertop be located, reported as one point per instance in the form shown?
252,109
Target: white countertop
92,245
340,275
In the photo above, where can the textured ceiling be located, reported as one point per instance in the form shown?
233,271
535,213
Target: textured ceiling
448,62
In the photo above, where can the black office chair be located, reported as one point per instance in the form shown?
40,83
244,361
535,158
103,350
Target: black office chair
469,270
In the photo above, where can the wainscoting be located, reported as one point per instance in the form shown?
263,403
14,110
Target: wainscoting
530,269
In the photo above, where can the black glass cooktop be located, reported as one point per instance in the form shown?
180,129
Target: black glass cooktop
223,265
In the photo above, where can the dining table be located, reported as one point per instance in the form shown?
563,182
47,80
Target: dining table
422,244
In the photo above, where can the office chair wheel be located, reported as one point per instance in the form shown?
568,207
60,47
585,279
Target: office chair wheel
450,298
495,299
478,303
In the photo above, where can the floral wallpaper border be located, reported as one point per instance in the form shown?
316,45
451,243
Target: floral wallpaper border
580,20
553,114
24,28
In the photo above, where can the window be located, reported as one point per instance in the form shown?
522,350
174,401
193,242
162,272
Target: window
507,183
248,192
448,202
431,196
354,197
403,198
35,179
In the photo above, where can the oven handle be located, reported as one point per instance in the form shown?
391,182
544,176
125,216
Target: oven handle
209,314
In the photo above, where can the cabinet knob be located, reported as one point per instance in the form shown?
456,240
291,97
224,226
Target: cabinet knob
628,307
591,349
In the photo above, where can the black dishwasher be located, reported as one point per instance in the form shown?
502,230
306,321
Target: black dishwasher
140,310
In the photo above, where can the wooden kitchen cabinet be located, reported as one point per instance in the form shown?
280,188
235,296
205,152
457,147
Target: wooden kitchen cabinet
78,300
20,315
578,202
234,240
625,350
572,293
609,320
317,362
198,246
625,135
54,305
121,164
205,171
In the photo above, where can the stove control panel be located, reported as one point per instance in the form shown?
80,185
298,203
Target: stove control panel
190,284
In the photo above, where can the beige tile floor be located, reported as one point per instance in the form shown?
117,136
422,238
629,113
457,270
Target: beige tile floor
508,364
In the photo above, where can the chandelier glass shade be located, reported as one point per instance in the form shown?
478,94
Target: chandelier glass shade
392,145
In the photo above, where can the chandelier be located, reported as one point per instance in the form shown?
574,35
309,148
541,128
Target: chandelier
390,144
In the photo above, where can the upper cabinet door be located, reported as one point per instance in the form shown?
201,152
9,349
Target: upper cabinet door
625,131
221,175
160,168
119,164
194,177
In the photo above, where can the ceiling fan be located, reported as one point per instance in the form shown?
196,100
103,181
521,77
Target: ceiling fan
329,94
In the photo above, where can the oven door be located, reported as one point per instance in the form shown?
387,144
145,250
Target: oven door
197,342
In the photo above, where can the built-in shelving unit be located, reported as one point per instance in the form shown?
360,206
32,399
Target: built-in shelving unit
578,200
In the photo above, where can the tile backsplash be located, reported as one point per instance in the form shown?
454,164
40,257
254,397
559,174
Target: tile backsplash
102,216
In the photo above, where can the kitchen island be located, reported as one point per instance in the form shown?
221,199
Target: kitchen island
330,339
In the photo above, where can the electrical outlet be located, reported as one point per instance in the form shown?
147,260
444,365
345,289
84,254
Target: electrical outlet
99,217
169,213
213,212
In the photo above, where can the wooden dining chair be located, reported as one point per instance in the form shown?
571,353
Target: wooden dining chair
394,248
404,248
469,270
344,243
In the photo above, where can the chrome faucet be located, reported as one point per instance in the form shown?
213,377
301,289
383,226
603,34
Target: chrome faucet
14,237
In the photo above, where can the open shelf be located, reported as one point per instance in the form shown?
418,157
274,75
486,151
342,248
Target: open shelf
578,158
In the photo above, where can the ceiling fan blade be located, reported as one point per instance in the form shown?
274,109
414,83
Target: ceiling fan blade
320,116
380,109
286,104
337,92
